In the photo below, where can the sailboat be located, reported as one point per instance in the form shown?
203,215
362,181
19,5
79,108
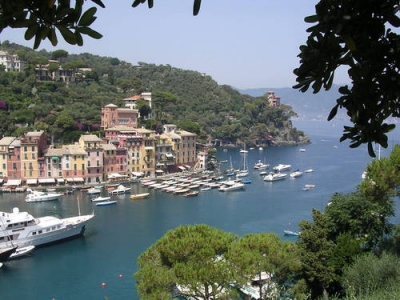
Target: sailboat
244,149
231,171
243,172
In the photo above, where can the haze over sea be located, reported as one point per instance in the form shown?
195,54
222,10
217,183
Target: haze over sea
119,234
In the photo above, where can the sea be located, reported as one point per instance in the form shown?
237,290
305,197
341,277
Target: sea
101,264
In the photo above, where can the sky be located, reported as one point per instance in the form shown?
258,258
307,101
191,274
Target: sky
244,44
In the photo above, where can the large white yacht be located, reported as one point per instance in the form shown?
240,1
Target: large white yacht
22,229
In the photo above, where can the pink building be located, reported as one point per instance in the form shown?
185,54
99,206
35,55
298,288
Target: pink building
112,115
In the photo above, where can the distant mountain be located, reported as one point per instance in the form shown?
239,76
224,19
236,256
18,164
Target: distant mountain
307,105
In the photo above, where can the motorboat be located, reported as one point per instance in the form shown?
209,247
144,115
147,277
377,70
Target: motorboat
22,251
292,233
260,165
39,196
139,196
275,176
231,185
296,174
25,230
93,191
282,167
101,199
106,203
121,189
191,194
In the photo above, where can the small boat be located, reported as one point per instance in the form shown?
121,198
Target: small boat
246,181
93,191
120,190
275,176
38,196
309,171
205,188
296,174
106,203
191,194
101,199
292,233
22,251
231,185
302,150
310,186
139,196
282,167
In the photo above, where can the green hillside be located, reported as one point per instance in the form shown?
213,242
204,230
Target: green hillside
190,99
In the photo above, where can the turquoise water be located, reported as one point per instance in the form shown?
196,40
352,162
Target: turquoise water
118,234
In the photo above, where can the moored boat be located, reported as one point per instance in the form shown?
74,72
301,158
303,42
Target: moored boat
25,230
139,196
106,203
275,176
121,189
231,185
290,232
191,194
38,196
101,199
282,167
22,252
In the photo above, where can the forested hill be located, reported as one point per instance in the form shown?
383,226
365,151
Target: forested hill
192,100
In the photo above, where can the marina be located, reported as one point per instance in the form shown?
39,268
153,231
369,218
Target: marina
127,229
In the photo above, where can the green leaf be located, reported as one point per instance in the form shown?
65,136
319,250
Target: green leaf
150,3
196,7
88,17
311,19
90,32
37,40
31,31
333,112
53,37
99,3
79,39
68,35
137,2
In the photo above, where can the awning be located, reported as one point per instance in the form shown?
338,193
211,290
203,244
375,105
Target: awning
60,180
70,180
187,167
79,179
182,168
138,174
31,181
13,182
169,155
46,180
148,148
159,171
1,180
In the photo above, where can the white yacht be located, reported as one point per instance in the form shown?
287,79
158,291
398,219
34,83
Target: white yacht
231,185
25,230
282,167
39,196
275,176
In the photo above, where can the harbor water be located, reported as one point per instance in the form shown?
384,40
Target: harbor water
100,265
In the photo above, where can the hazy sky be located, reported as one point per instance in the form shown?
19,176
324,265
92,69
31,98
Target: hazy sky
245,44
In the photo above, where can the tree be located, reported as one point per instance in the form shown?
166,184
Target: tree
357,35
189,257
59,55
265,259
